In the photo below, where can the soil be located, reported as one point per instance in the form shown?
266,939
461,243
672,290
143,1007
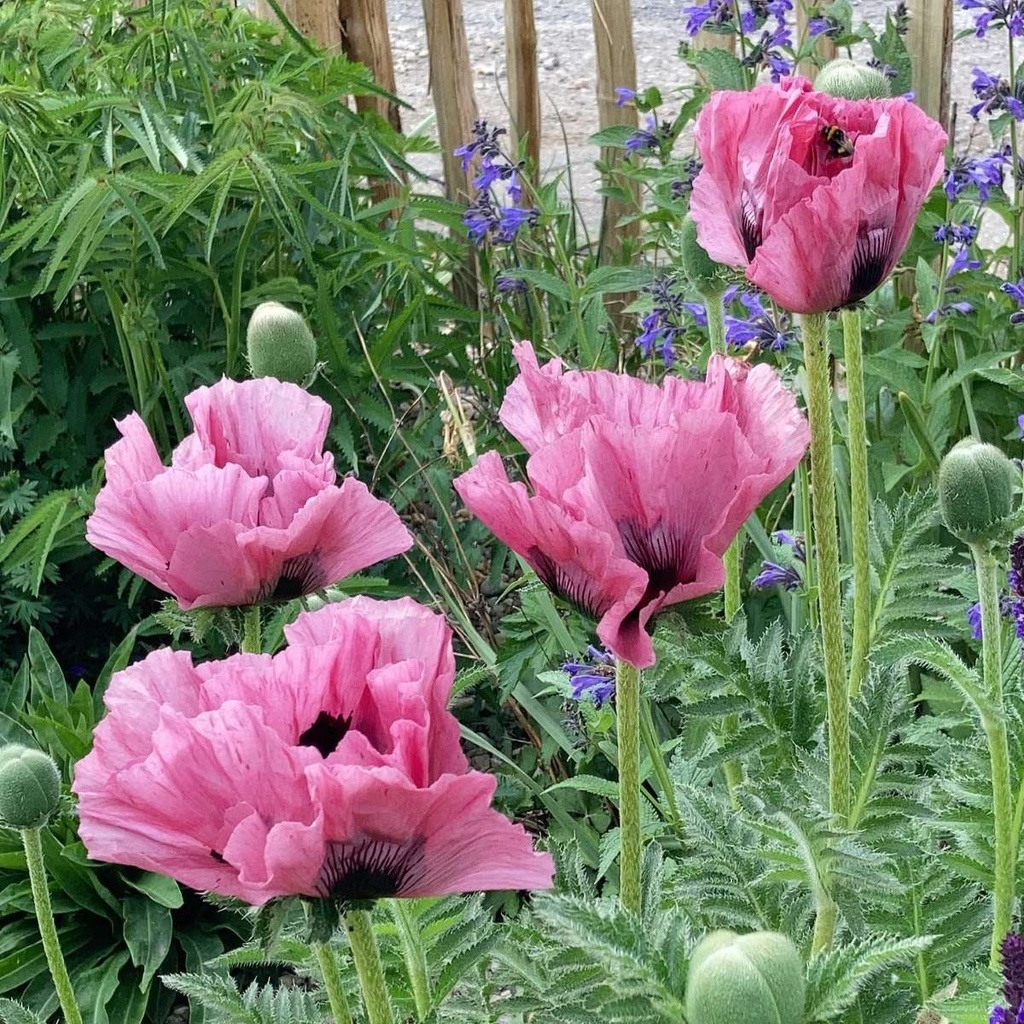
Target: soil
568,81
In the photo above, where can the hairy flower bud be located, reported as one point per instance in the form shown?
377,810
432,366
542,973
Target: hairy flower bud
976,491
852,80
29,787
280,344
707,276
755,977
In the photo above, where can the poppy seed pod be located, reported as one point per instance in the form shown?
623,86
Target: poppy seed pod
745,977
852,80
976,491
280,343
29,787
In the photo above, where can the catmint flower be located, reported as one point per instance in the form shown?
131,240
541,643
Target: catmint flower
594,676
996,94
1016,292
962,261
768,328
986,172
765,53
946,310
774,575
996,13
510,285
792,541
1012,954
822,25
650,137
511,219
683,185
1015,583
665,322
901,18
961,234
713,12
484,143
624,95
974,619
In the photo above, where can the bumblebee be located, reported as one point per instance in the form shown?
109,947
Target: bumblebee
839,143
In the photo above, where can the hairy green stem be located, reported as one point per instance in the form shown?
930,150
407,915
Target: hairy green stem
332,983
825,913
415,958
366,957
32,840
252,632
860,498
627,710
993,721
826,541
715,309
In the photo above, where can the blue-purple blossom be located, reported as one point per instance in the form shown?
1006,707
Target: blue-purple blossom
1016,292
666,321
792,541
594,676
683,185
483,143
624,95
510,285
947,309
822,25
887,70
986,172
710,14
974,619
767,328
962,234
995,94
1011,952
649,137
962,261
1015,583
774,575
996,13
765,53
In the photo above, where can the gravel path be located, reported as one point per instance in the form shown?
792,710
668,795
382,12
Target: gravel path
568,81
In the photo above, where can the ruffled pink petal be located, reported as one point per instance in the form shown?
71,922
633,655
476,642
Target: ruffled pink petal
337,532
253,422
417,835
210,569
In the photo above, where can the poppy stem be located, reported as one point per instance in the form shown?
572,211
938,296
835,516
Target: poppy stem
332,983
860,498
366,956
627,713
826,543
252,633
993,721
32,841
415,960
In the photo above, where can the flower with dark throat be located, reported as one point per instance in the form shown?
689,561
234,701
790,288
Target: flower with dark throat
248,510
818,220
766,328
635,489
332,769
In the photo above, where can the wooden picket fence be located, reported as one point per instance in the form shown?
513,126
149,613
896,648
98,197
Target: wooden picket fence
359,28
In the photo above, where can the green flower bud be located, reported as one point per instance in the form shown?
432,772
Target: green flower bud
707,276
976,491
29,787
852,80
280,344
756,977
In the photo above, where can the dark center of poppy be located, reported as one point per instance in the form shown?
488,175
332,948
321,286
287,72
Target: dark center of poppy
659,551
299,576
568,580
369,869
325,733
751,218
870,262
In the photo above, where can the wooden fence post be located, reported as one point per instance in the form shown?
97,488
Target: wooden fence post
316,19
930,42
523,87
616,67
451,84
365,39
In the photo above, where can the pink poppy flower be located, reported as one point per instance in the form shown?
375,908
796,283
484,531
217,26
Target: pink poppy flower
818,218
636,490
331,769
248,510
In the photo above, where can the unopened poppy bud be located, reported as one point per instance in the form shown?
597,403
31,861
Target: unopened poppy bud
976,491
852,80
707,276
29,787
745,977
280,343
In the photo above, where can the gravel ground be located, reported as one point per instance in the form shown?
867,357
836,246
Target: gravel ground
568,80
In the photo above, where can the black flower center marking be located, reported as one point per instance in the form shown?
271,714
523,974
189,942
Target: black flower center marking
325,733
870,262
369,869
569,581
660,552
751,218
300,575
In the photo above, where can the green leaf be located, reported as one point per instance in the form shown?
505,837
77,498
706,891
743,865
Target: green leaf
720,68
159,888
148,929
